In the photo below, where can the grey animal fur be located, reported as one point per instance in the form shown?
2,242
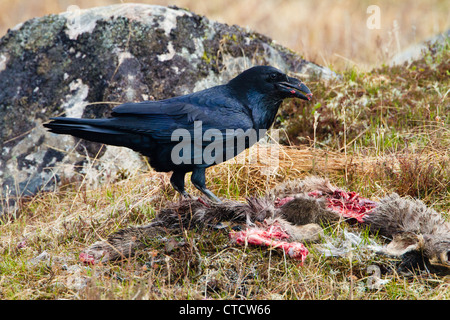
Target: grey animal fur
185,214
190,214
292,188
303,210
411,225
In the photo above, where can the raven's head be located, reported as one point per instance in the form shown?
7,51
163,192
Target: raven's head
271,82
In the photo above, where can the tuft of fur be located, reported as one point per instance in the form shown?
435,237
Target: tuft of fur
189,213
292,188
304,209
122,244
395,214
404,219
184,214
307,233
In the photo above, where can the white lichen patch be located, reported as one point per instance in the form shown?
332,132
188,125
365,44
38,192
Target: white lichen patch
110,164
34,153
169,55
81,21
233,66
131,82
120,158
75,103
275,57
130,93
3,61
170,21
205,83
123,55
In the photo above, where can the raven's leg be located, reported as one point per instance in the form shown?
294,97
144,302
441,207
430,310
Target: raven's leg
198,180
177,182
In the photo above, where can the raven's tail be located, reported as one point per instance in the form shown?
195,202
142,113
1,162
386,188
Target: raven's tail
98,130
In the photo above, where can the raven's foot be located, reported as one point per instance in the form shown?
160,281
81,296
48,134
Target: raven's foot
185,195
210,195
198,180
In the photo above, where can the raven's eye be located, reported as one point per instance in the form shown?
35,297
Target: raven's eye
273,76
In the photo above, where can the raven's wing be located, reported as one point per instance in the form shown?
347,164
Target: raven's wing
190,123
210,125
208,109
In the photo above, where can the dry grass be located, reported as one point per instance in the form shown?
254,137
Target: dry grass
331,33
40,247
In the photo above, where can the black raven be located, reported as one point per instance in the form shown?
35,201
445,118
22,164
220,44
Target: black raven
193,132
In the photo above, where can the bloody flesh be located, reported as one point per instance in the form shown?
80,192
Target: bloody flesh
271,237
347,204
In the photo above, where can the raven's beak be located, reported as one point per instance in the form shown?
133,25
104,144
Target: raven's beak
296,88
